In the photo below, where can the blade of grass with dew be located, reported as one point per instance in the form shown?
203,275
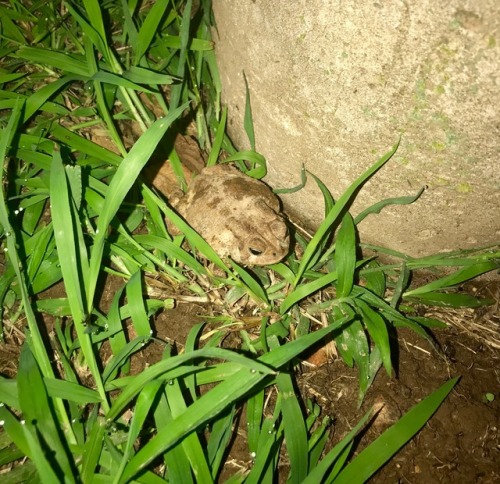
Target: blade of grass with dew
34,339
255,367
25,438
345,256
142,408
334,213
125,175
8,393
69,241
220,437
191,444
121,358
36,409
175,460
254,414
95,30
379,206
103,105
14,429
215,401
271,438
294,428
382,449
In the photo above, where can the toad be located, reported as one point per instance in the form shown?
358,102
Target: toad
237,215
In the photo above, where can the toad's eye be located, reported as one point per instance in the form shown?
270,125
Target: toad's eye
254,251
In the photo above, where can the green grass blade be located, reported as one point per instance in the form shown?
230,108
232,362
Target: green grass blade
254,288
334,213
191,445
379,452
124,178
305,290
327,196
93,448
271,438
37,411
176,91
377,207
70,391
220,437
176,461
35,341
69,240
345,256
294,428
8,393
217,399
457,277
136,305
142,408
377,329
70,63
248,119
84,146
219,137
257,161
148,29
451,300
254,414
40,97
319,473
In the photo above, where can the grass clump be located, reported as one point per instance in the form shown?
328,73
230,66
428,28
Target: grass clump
73,210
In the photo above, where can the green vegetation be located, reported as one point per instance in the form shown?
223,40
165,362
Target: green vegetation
71,210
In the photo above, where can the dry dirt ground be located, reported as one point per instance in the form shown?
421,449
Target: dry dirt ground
460,444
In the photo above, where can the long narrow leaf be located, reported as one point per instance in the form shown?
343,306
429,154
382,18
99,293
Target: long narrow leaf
334,213
379,452
121,183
